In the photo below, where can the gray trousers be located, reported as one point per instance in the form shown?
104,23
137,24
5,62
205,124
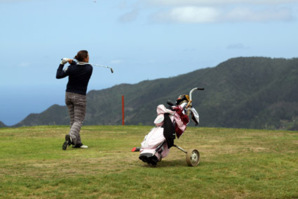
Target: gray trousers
76,105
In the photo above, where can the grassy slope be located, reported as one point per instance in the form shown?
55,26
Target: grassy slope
235,163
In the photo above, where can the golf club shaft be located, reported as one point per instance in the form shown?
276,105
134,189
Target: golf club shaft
98,65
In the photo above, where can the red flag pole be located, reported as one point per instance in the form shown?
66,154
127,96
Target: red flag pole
122,109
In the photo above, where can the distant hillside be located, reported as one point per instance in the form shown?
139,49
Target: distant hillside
55,115
253,92
2,124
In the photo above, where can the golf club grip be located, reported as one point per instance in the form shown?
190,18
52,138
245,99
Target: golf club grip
201,89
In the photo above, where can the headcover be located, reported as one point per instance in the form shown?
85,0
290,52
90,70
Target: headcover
181,99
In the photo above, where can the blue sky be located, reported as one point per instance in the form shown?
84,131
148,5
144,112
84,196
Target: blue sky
139,39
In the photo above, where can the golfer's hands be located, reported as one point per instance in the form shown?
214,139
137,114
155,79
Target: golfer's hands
65,60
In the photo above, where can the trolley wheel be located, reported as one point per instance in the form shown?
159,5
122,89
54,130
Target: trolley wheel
193,157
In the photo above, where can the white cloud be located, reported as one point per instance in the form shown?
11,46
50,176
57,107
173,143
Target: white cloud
216,2
220,11
196,14
130,16
192,14
24,64
257,15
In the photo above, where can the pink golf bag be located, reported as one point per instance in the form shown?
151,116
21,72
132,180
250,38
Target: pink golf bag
170,123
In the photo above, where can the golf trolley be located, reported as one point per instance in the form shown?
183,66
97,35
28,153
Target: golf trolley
170,123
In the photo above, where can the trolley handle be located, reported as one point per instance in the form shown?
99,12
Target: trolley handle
192,90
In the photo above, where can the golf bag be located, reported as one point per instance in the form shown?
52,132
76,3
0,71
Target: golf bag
170,123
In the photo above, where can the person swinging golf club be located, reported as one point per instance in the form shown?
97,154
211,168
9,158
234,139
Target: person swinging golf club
75,98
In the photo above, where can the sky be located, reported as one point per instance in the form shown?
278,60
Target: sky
140,39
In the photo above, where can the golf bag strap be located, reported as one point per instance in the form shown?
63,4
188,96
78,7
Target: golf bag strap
169,130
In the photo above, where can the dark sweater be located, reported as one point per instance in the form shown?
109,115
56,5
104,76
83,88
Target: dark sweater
78,77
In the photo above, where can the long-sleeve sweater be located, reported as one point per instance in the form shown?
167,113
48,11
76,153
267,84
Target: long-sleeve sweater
78,77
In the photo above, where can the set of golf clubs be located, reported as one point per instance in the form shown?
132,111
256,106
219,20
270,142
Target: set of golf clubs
98,65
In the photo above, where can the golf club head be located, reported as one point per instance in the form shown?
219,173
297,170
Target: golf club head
112,70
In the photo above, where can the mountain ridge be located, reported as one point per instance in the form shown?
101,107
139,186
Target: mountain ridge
242,92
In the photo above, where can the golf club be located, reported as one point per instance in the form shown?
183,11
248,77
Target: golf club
98,65
112,71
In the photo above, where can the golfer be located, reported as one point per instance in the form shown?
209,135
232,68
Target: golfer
75,98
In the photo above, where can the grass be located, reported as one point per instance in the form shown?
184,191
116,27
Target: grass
235,163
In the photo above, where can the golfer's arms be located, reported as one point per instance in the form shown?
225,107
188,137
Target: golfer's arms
60,72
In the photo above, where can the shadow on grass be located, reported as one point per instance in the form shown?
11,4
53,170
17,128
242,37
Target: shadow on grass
171,163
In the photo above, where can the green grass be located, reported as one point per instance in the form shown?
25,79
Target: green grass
235,163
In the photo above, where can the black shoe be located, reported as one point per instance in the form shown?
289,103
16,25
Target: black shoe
67,142
81,146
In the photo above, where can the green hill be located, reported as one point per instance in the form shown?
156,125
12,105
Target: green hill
252,92
55,115
2,124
